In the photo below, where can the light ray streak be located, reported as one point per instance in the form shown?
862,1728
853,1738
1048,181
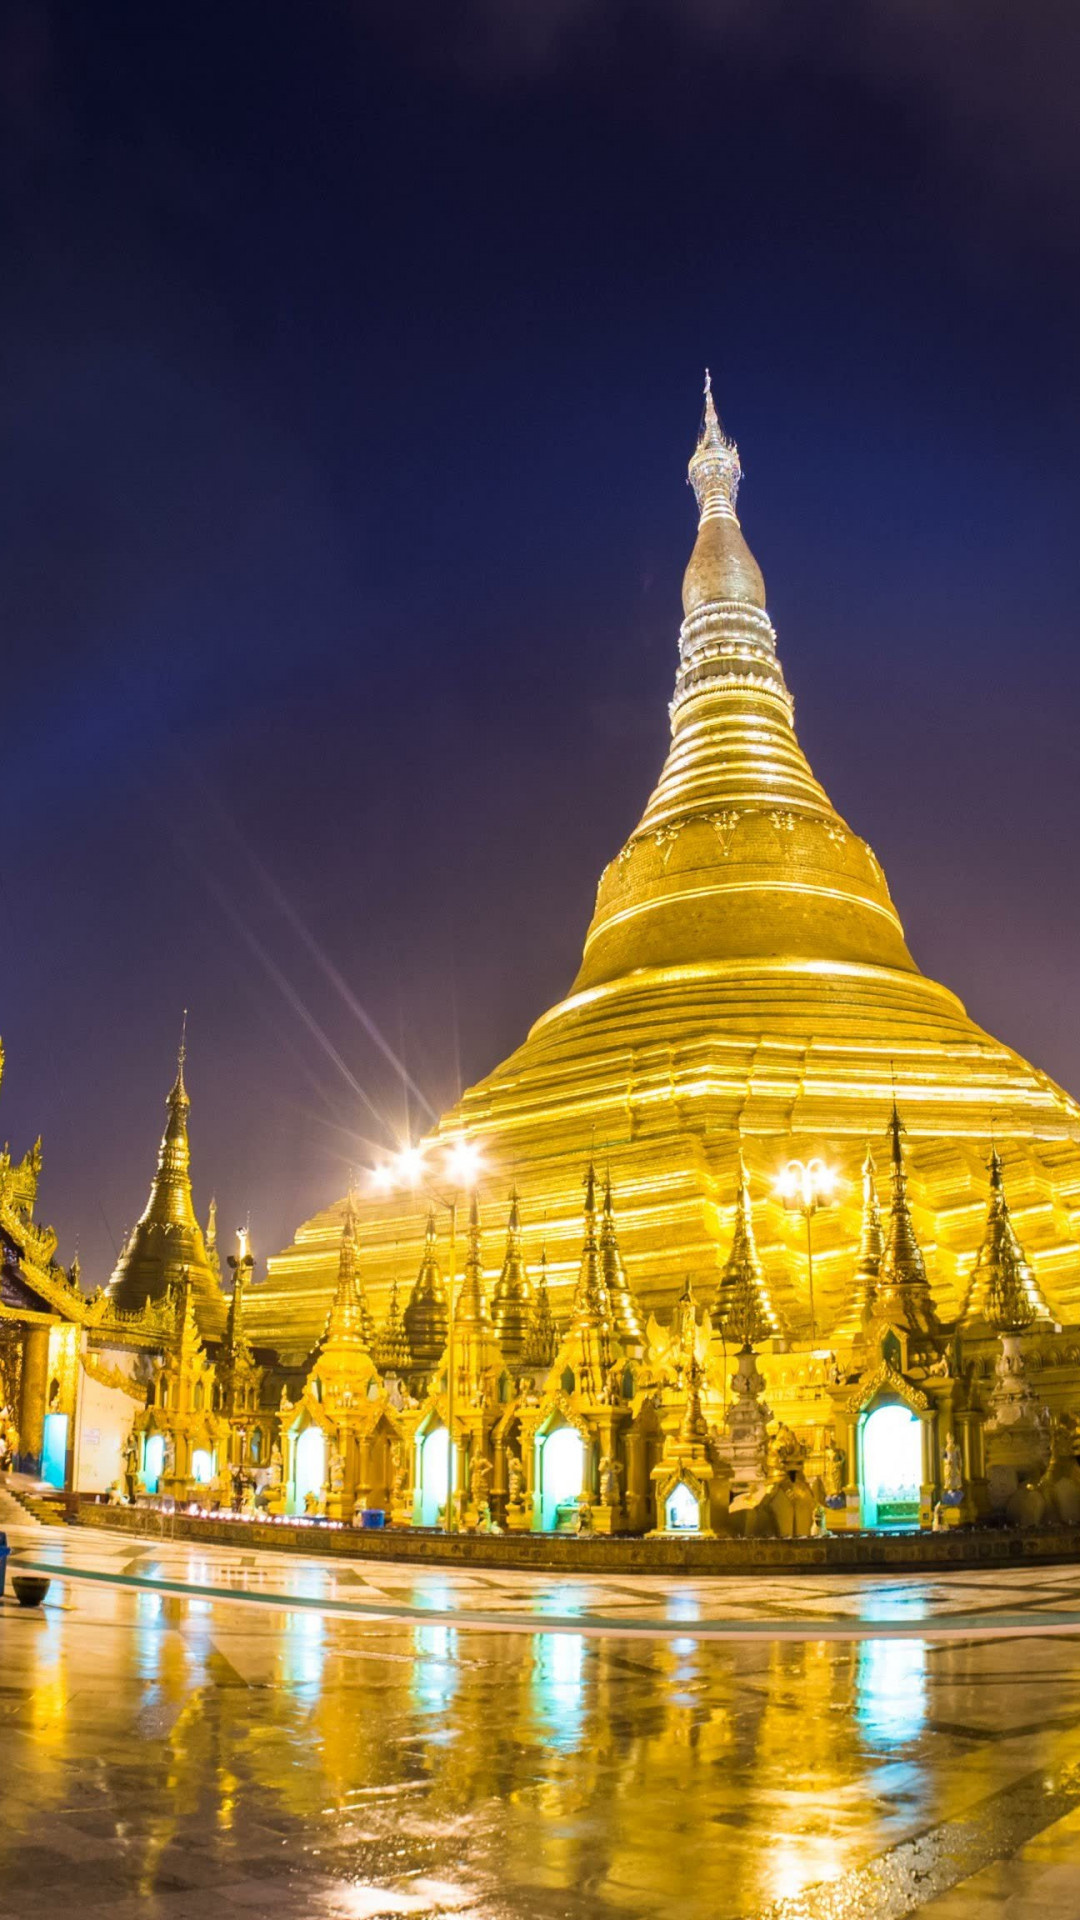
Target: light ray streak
285,987
322,960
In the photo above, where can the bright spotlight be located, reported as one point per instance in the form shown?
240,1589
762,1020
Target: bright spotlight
806,1185
382,1178
463,1163
410,1164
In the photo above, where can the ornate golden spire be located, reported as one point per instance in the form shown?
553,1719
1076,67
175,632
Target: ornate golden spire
210,1238
511,1302
871,1247
1003,1292
349,1323
591,1306
743,1309
740,853
472,1307
625,1313
542,1339
427,1314
903,1296
391,1351
168,1237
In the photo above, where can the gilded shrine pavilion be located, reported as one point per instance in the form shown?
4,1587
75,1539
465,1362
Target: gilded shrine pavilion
756,1233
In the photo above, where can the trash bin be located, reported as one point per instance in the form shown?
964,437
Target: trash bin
372,1517
5,1550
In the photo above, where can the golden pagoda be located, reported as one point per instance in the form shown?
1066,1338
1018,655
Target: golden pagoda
1003,1292
427,1314
902,1296
745,978
511,1302
871,1247
167,1240
742,1309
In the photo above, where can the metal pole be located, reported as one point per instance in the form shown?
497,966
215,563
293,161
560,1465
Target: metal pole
809,1211
451,1452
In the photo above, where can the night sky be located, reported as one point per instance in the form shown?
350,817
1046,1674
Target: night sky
350,362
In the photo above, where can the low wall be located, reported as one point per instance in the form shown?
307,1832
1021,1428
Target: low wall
558,1553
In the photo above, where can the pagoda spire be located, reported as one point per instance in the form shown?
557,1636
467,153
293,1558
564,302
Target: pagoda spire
511,1302
903,1296
740,851
587,1348
167,1236
591,1306
625,1312
391,1351
349,1321
542,1339
472,1306
743,1308
427,1315
1002,1291
871,1247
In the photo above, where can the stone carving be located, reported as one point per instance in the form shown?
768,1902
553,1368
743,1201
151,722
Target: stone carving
479,1481
723,825
610,1476
834,1472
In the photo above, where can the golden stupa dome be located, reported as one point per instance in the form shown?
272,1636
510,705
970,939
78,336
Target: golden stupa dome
745,987
740,853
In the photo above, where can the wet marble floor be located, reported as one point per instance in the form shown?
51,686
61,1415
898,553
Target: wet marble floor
168,1753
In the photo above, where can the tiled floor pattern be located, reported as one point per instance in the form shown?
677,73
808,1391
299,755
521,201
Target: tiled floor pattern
165,1756
843,1604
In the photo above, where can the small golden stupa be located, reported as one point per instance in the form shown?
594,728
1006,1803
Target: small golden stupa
167,1241
745,981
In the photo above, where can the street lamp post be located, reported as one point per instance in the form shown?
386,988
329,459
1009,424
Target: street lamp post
805,1186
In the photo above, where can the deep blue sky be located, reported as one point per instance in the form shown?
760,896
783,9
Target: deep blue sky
350,361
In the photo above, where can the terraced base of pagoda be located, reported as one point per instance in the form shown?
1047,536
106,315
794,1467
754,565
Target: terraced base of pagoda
553,1553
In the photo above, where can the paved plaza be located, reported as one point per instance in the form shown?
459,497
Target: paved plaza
189,1731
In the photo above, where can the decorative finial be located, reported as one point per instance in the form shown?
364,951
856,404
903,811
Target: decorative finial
714,471
178,1098
896,1131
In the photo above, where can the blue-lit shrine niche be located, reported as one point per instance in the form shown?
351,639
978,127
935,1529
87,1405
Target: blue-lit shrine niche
561,1475
432,1474
309,1466
890,1443
153,1461
681,1511
202,1466
54,1449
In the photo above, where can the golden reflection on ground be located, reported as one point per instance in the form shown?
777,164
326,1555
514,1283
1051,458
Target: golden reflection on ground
166,1755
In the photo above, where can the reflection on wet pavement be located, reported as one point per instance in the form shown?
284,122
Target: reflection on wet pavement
171,1755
